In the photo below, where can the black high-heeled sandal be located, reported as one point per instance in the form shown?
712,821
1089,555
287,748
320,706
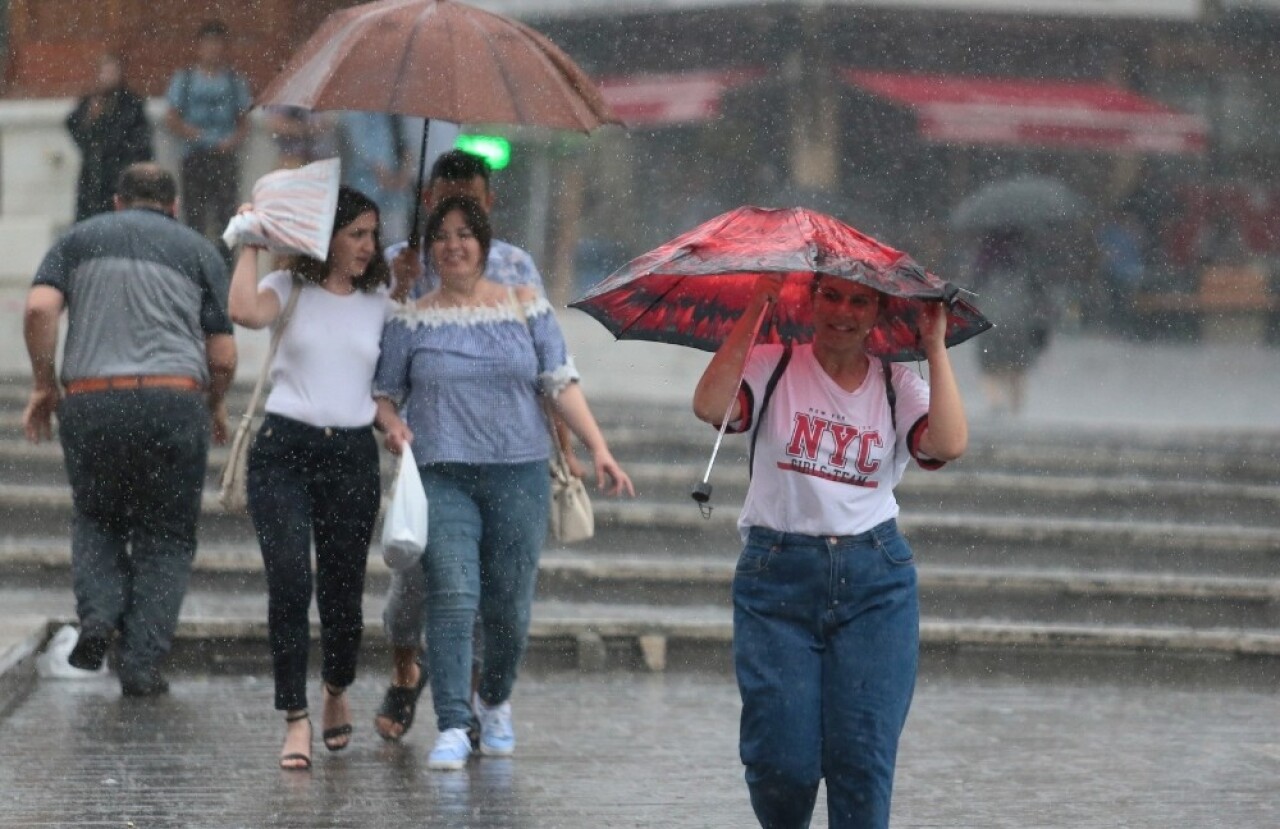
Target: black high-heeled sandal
296,756
338,731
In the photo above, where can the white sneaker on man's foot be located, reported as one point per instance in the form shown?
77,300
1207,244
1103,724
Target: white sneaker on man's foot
451,750
497,738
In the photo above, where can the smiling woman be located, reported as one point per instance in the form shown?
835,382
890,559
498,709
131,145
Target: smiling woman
471,364
826,615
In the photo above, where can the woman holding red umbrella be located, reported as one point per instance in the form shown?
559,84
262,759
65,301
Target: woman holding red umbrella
826,618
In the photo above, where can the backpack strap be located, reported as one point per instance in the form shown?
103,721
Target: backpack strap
764,405
890,393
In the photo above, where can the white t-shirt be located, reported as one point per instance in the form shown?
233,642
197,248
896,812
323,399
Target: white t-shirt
827,460
322,374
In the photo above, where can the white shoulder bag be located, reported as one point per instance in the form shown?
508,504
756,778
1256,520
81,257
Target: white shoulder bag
232,493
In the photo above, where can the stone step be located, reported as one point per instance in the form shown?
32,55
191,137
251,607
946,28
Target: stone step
953,490
1014,594
672,435
32,514
593,638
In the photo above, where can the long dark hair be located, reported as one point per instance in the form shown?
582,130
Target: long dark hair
351,204
473,215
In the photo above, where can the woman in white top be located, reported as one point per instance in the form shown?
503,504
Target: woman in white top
826,619
313,468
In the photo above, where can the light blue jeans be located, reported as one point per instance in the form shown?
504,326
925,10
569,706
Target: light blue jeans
826,638
486,526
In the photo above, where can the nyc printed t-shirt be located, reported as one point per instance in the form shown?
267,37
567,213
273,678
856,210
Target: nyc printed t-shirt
827,460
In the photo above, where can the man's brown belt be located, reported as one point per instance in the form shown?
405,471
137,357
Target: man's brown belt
134,381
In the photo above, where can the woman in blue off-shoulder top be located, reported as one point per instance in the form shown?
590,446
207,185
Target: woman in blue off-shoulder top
466,366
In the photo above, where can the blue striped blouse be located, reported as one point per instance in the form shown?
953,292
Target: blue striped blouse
468,380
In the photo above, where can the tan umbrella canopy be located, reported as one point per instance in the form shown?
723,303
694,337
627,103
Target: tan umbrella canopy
438,59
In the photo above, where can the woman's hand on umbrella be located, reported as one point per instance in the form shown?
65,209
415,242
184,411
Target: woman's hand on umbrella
933,326
767,289
406,268
610,478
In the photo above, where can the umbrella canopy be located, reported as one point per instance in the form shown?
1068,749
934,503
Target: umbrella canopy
438,59
693,289
1024,202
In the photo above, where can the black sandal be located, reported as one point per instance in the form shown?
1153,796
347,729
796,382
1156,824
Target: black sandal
338,731
400,704
295,756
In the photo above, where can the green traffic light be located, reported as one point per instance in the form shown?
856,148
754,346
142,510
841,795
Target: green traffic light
493,149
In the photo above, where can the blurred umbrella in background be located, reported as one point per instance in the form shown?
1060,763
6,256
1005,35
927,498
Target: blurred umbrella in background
438,59
1029,202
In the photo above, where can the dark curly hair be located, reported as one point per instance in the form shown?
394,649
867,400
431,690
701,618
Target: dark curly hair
472,214
351,205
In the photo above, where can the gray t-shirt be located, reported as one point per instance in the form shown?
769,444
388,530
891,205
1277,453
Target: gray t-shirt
142,293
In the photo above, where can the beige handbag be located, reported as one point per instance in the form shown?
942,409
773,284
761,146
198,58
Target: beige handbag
232,492
572,518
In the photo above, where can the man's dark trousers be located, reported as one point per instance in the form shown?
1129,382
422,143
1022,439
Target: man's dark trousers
136,461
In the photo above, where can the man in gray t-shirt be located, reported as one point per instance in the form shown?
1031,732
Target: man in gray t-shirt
148,358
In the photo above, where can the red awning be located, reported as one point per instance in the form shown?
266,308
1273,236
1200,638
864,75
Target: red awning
1031,113
671,98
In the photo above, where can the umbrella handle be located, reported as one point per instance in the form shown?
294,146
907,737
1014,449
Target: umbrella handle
415,237
702,491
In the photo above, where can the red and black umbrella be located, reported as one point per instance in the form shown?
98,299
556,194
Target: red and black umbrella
693,289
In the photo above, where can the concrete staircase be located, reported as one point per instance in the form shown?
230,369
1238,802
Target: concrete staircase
1041,546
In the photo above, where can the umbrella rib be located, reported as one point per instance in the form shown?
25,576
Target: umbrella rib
658,299
502,70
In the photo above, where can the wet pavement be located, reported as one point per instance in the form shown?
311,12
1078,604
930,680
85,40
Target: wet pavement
641,750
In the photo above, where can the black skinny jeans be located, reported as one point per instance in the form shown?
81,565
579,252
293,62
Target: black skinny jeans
303,479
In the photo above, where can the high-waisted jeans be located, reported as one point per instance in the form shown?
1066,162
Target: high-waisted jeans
304,480
826,641
486,526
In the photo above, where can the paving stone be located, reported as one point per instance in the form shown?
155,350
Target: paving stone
641,750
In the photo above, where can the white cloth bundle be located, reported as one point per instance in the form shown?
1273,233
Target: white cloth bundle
292,211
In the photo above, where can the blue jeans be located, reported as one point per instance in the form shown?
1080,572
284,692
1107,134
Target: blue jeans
486,525
304,480
825,644
136,463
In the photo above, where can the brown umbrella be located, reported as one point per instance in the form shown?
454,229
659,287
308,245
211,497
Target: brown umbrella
438,59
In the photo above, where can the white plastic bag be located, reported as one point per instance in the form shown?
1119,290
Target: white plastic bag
404,527
52,664
292,211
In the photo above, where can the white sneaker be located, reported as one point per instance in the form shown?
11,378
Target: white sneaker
497,738
451,750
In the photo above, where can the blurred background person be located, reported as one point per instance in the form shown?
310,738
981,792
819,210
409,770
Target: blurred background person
301,136
110,127
373,162
1122,260
1015,298
208,109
